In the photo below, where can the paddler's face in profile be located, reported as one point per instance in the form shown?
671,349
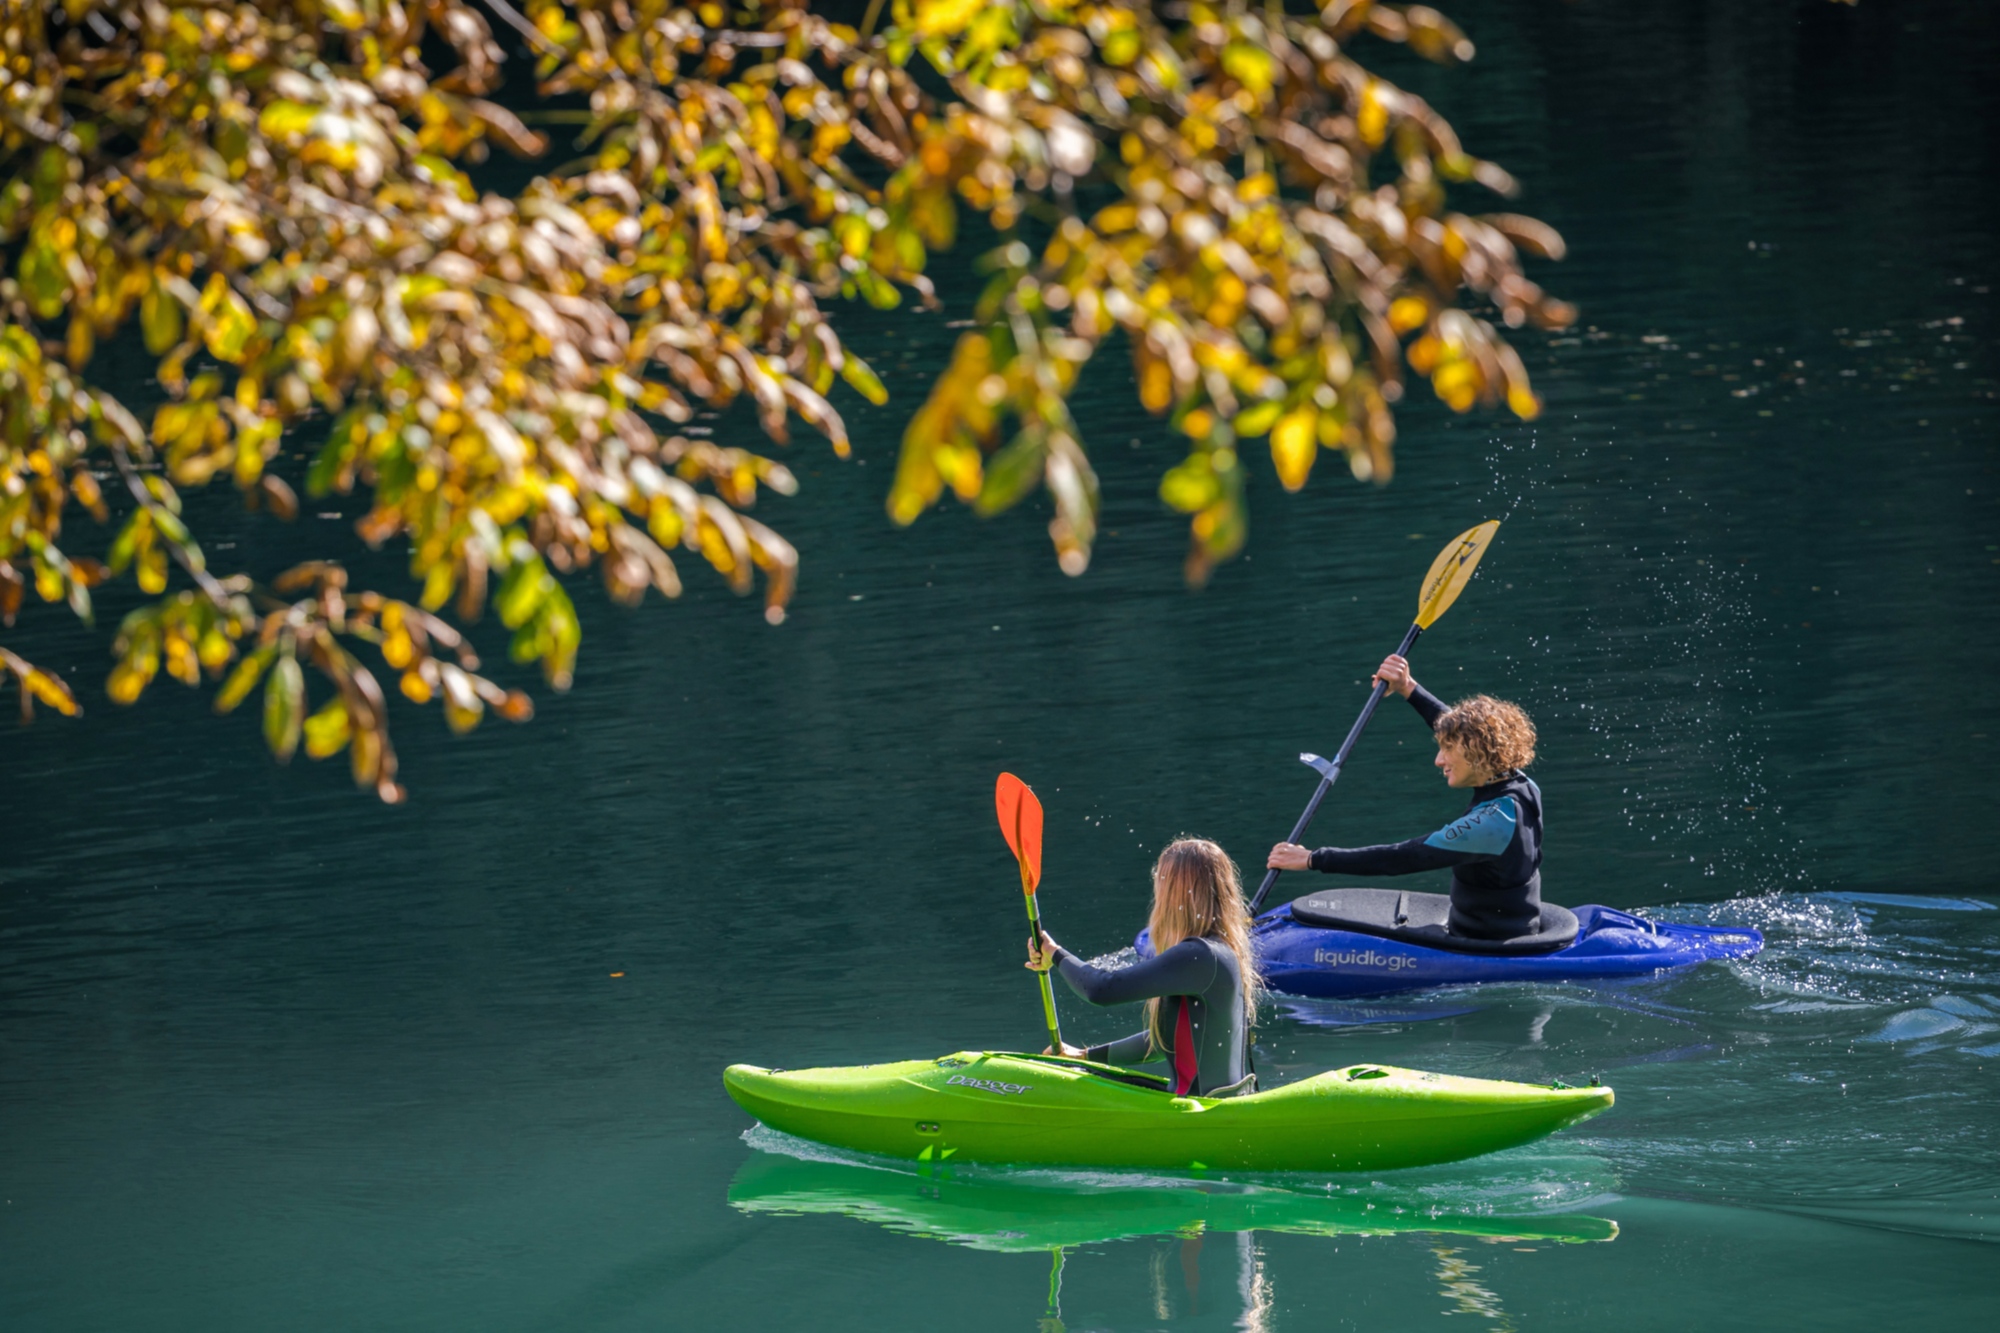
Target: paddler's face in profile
1457,769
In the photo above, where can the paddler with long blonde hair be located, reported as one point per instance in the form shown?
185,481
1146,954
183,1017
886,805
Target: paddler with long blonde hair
1200,985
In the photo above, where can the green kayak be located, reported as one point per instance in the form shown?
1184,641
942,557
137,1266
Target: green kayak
986,1106
1014,1215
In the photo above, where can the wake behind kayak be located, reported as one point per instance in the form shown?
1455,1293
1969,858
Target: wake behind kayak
1002,1108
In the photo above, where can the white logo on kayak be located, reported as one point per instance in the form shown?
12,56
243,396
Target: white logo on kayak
1362,958
988,1085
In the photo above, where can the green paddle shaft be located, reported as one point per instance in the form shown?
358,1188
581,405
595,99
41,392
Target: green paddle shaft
1048,988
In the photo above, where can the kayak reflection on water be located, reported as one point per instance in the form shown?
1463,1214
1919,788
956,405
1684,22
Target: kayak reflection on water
1012,1212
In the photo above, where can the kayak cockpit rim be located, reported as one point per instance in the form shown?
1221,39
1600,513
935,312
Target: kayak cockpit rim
1109,1073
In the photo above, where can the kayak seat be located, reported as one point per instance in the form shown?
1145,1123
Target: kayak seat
1423,918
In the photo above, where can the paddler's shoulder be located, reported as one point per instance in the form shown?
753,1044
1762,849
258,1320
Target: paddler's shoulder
1515,783
1217,951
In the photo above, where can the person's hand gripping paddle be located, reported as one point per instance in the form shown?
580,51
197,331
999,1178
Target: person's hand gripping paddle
1448,575
1021,823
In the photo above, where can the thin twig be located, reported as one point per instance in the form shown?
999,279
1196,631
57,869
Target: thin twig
868,23
210,587
513,18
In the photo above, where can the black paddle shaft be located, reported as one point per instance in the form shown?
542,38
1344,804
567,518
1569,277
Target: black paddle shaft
1332,774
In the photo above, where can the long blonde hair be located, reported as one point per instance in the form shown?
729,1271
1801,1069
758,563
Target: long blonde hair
1198,892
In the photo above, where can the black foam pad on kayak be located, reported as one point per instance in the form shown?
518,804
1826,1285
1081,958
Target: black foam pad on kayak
1423,918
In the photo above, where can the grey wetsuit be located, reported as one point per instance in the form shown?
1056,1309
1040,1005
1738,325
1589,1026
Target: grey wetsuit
1202,988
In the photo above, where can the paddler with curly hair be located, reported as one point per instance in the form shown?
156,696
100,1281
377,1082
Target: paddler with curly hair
1494,849
1200,986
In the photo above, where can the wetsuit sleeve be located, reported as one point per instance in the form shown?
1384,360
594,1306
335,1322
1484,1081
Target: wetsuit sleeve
1136,1049
1480,834
1389,858
1185,969
1429,707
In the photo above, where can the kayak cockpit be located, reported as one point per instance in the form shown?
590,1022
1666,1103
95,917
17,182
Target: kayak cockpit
1424,919
1109,1073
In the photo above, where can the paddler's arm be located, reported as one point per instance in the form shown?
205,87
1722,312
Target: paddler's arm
1395,673
1136,1049
1093,982
1391,858
1186,969
1480,834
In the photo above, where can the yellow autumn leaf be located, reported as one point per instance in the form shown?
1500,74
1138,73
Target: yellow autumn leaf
1191,485
1249,65
942,18
1408,312
227,322
1294,445
327,731
50,691
1254,421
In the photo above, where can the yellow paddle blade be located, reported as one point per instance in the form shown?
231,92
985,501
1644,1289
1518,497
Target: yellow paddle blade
1452,570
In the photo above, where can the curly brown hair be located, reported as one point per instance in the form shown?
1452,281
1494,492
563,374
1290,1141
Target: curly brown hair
1492,733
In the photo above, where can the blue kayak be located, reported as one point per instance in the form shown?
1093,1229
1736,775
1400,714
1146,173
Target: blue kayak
1345,943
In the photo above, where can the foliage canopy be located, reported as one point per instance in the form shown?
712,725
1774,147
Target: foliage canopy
275,192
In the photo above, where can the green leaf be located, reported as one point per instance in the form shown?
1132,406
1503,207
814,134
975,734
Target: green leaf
863,380
1254,421
565,633
42,278
1011,474
170,526
126,544
328,730
229,325
328,462
443,173
284,708
1191,486
159,319
243,679
282,119
877,291
522,592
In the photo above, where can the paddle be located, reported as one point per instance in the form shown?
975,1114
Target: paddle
1021,823
1449,574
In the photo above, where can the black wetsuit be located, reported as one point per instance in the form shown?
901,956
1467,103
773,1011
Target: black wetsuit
1494,851
1203,1007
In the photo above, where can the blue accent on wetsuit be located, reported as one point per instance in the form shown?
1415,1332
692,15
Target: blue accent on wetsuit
1493,850
1486,829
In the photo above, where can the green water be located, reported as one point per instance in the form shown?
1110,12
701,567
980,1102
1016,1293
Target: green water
272,1056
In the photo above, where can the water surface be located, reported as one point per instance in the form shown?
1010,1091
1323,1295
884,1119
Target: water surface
274,1056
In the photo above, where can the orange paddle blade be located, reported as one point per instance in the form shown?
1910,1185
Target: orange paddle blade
1021,822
